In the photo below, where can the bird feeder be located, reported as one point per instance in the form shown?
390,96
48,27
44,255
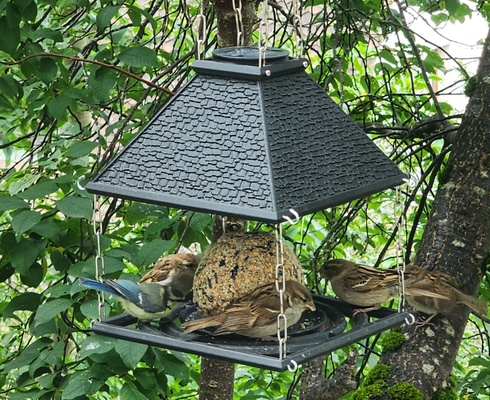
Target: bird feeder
252,142
249,142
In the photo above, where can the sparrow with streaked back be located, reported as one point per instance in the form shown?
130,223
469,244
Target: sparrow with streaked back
175,271
255,314
448,295
365,286
360,285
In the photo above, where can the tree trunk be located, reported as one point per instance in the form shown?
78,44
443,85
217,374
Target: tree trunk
227,21
216,381
217,377
456,241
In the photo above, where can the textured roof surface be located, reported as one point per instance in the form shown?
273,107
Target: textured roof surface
251,148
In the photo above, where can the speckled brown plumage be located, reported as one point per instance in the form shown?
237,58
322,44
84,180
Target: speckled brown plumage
235,265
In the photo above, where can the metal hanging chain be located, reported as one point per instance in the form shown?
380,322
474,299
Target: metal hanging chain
263,37
399,252
99,258
297,33
200,26
237,8
282,334
399,249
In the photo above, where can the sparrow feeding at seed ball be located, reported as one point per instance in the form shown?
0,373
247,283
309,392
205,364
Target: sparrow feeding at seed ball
443,295
236,264
144,301
255,314
360,285
176,272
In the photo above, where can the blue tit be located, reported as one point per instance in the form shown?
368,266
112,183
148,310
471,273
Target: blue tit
143,300
176,272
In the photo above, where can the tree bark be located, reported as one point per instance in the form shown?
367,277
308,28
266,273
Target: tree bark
217,376
456,241
216,381
227,21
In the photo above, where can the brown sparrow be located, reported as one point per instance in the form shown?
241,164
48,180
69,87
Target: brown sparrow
176,272
255,314
443,296
359,284
366,286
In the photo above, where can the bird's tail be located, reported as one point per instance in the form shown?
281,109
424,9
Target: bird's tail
478,306
97,285
207,322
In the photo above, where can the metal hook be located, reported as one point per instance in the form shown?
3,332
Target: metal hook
410,320
294,366
79,185
412,180
295,215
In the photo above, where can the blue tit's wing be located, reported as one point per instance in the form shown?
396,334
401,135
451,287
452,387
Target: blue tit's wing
97,285
126,289
154,298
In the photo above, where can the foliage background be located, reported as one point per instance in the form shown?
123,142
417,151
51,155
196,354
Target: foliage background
79,78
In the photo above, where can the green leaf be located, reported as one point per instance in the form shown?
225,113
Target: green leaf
46,33
152,251
47,229
87,268
10,87
28,355
28,9
28,301
81,384
39,190
25,253
105,15
25,220
75,207
146,377
10,34
23,183
131,353
5,103
97,345
139,57
34,275
451,5
90,309
6,271
60,261
51,309
80,149
12,203
46,70
136,10
58,106
102,81
130,392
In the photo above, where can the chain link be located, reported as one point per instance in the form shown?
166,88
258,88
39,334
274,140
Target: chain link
399,253
263,37
200,26
282,326
237,8
298,29
99,258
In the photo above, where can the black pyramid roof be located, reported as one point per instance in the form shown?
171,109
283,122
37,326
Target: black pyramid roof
250,142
